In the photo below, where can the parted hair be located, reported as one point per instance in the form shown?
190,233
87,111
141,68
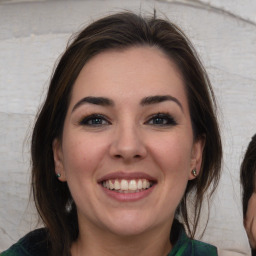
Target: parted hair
119,31
247,173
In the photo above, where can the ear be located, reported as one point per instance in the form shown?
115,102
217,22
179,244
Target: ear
196,156
58,160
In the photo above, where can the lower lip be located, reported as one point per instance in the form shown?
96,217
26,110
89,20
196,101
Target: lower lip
128,197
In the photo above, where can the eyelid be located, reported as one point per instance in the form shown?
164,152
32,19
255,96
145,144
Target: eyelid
89,117
167,116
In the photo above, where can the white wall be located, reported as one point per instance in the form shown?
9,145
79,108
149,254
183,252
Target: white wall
34,33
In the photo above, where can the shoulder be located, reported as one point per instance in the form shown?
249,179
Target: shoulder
193,248
185,246
201,248
34,243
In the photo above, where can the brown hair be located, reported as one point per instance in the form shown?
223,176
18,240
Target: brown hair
247,173
119,31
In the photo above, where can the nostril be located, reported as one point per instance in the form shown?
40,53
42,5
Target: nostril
120,156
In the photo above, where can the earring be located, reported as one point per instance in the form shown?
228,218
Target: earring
69,205
194,172
58,175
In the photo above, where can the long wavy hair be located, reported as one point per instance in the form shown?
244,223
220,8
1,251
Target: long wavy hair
119,31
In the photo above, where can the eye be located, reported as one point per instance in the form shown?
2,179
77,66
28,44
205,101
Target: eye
161,119
94,120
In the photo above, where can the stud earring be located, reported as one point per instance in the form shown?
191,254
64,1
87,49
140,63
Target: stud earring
194,172
58,175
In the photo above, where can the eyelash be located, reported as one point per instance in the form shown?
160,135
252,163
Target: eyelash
96,118
167,120
159,119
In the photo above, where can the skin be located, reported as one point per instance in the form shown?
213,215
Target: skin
128,139
250,221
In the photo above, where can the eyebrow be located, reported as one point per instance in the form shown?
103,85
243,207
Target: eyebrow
101,101
160,98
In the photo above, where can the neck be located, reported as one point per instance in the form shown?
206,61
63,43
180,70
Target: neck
150,243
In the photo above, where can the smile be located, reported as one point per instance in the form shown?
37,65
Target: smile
127,186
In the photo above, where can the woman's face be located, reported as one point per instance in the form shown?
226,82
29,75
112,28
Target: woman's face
127,149
250,220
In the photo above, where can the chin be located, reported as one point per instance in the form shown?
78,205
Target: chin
128,231
129,225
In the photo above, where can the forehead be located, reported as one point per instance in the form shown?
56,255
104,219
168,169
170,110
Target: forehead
120,73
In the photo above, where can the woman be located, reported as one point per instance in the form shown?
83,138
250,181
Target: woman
125,142
248,169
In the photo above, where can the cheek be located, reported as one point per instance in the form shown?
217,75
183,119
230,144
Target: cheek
173,153
251,209
82,154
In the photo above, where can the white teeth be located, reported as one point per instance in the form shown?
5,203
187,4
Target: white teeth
145,184
139,184
132,185
124,185
111,185
127,186
117,185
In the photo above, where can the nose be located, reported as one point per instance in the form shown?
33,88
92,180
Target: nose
128,144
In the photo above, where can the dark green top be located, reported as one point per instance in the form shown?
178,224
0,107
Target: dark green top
188,247
34,244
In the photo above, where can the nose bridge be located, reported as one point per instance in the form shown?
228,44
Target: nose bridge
128,141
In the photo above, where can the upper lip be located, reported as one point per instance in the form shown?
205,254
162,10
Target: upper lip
127,176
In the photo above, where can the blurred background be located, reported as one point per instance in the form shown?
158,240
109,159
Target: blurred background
34,33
